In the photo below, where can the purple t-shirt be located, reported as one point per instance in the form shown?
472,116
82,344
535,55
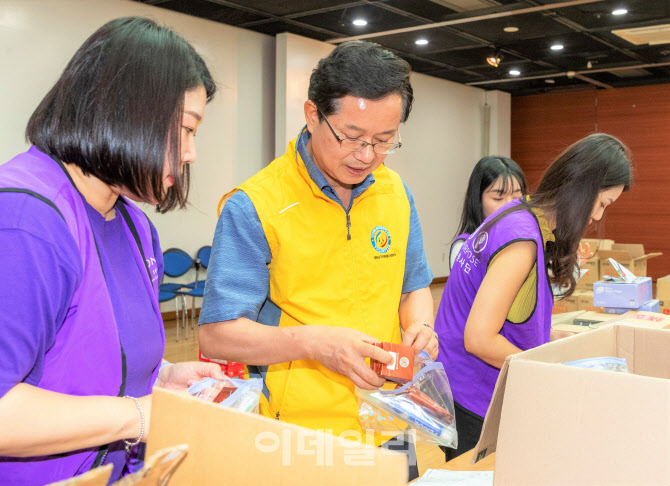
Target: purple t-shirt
472,380
41,268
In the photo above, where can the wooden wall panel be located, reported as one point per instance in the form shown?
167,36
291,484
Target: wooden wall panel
543,125
640,117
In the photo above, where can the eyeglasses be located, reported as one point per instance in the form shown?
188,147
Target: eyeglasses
356,145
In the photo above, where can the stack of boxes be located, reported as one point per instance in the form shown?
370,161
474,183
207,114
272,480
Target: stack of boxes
620,296
631,256
663,293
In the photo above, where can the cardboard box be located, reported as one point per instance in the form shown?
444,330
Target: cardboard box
567,304
651,306
565,322
622,294
637,318
555,424
158,468
593,264
585,301
227,447
631,256
579,300
589,318
663,293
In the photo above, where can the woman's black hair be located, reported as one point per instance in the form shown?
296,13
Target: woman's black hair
569,191
486,172
361,69
116,111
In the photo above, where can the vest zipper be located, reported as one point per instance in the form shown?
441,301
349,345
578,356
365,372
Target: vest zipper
348,226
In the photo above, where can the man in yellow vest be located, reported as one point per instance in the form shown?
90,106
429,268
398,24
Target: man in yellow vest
320,254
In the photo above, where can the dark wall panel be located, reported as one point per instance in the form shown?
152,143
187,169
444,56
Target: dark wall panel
543,125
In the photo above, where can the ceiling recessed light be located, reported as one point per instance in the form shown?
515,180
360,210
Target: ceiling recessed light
421,42
549,81
514,72
511,29
557,47
360,22
620,11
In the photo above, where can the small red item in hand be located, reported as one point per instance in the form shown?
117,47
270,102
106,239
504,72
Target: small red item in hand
402,368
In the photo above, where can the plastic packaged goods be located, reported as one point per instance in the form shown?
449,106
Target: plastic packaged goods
606,363
242,395
425,404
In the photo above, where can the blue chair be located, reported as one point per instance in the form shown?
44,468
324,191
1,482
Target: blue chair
198,287
166,296
201,261
177,262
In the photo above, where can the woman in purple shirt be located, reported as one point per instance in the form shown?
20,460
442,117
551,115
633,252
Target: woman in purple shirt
82,338
494,182
498,298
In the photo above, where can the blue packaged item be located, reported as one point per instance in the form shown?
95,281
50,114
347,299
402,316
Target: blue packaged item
424,404
621,294
653,305
605,363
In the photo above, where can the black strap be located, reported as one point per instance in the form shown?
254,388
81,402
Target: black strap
120,205
34,194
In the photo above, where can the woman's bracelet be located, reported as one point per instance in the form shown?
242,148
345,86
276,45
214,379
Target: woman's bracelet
128,443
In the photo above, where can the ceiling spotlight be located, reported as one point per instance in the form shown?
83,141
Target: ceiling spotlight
360,22
620,11
549,81
495,59
589,64
421,42
557,47
514,72
511,29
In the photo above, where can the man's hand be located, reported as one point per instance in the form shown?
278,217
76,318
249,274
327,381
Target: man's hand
344,350
421,337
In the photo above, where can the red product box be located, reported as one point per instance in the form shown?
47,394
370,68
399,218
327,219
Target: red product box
221,362
402,368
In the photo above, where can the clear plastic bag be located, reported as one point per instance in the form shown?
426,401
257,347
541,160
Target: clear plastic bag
425,404
606,363
236,393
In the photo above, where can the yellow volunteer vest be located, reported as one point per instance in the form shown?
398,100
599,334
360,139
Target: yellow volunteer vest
318,276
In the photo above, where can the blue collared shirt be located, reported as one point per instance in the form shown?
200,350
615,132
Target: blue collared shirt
238,279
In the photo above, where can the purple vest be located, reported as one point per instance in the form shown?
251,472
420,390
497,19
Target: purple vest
86,357
472,380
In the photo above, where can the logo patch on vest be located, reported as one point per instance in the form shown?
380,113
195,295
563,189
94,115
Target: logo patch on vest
481,240
381,239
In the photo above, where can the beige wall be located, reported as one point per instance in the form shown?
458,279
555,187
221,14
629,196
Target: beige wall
37,39
442,140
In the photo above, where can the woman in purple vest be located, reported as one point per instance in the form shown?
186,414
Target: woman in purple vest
82,339
494,182
498,298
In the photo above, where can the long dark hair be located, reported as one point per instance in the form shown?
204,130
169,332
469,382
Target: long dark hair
116,111
486,172
362,69
569,191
